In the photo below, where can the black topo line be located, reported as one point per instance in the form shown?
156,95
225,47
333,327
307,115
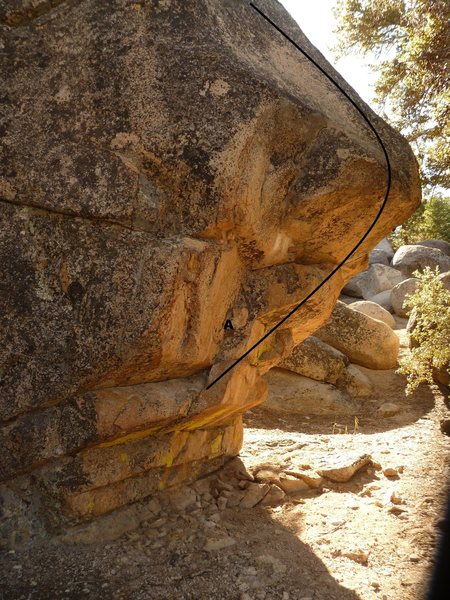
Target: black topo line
339,266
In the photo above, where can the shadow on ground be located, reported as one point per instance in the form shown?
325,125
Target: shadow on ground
388,386
267,560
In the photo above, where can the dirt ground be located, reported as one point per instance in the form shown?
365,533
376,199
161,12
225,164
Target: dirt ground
371,538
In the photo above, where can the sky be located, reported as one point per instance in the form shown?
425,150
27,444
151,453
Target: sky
316,20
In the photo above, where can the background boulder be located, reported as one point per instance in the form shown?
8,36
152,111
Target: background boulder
441,245
379,278
374,310
292,393
399,294
382,253
317,360
366,341
415,257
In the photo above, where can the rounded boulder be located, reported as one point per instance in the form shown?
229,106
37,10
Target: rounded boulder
399,294
366,341
411,258
441,245
292,393
374,310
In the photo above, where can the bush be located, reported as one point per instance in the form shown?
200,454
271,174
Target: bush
430,221
431,333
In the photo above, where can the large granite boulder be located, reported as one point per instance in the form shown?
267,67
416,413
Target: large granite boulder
376,279
317,360
399,294
354,286
445,278
414,257
386,247
382,253
365,341
294,394
441,245
355,382
383,299
167,167
378,257
374,310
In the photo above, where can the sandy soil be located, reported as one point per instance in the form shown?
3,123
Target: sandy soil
347,541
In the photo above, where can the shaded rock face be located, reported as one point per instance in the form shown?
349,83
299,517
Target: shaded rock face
294,394
148,195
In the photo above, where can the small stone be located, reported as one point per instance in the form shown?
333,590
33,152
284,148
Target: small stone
254,494
415,558
290,484
219,544
223,486
390,472
343,472
267,476
388,409
396,498
359,556
285,595
367,491
396,510
182,497
215,517
297,500
159,522
312,479
202,486
236,468
210,524
222,503
273,497
234,498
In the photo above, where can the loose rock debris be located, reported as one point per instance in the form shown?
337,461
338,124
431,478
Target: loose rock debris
371,537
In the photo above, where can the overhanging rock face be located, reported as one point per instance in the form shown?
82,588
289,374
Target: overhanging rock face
168,166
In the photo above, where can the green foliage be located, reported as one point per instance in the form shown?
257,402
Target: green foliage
411,38
431,333
430,221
